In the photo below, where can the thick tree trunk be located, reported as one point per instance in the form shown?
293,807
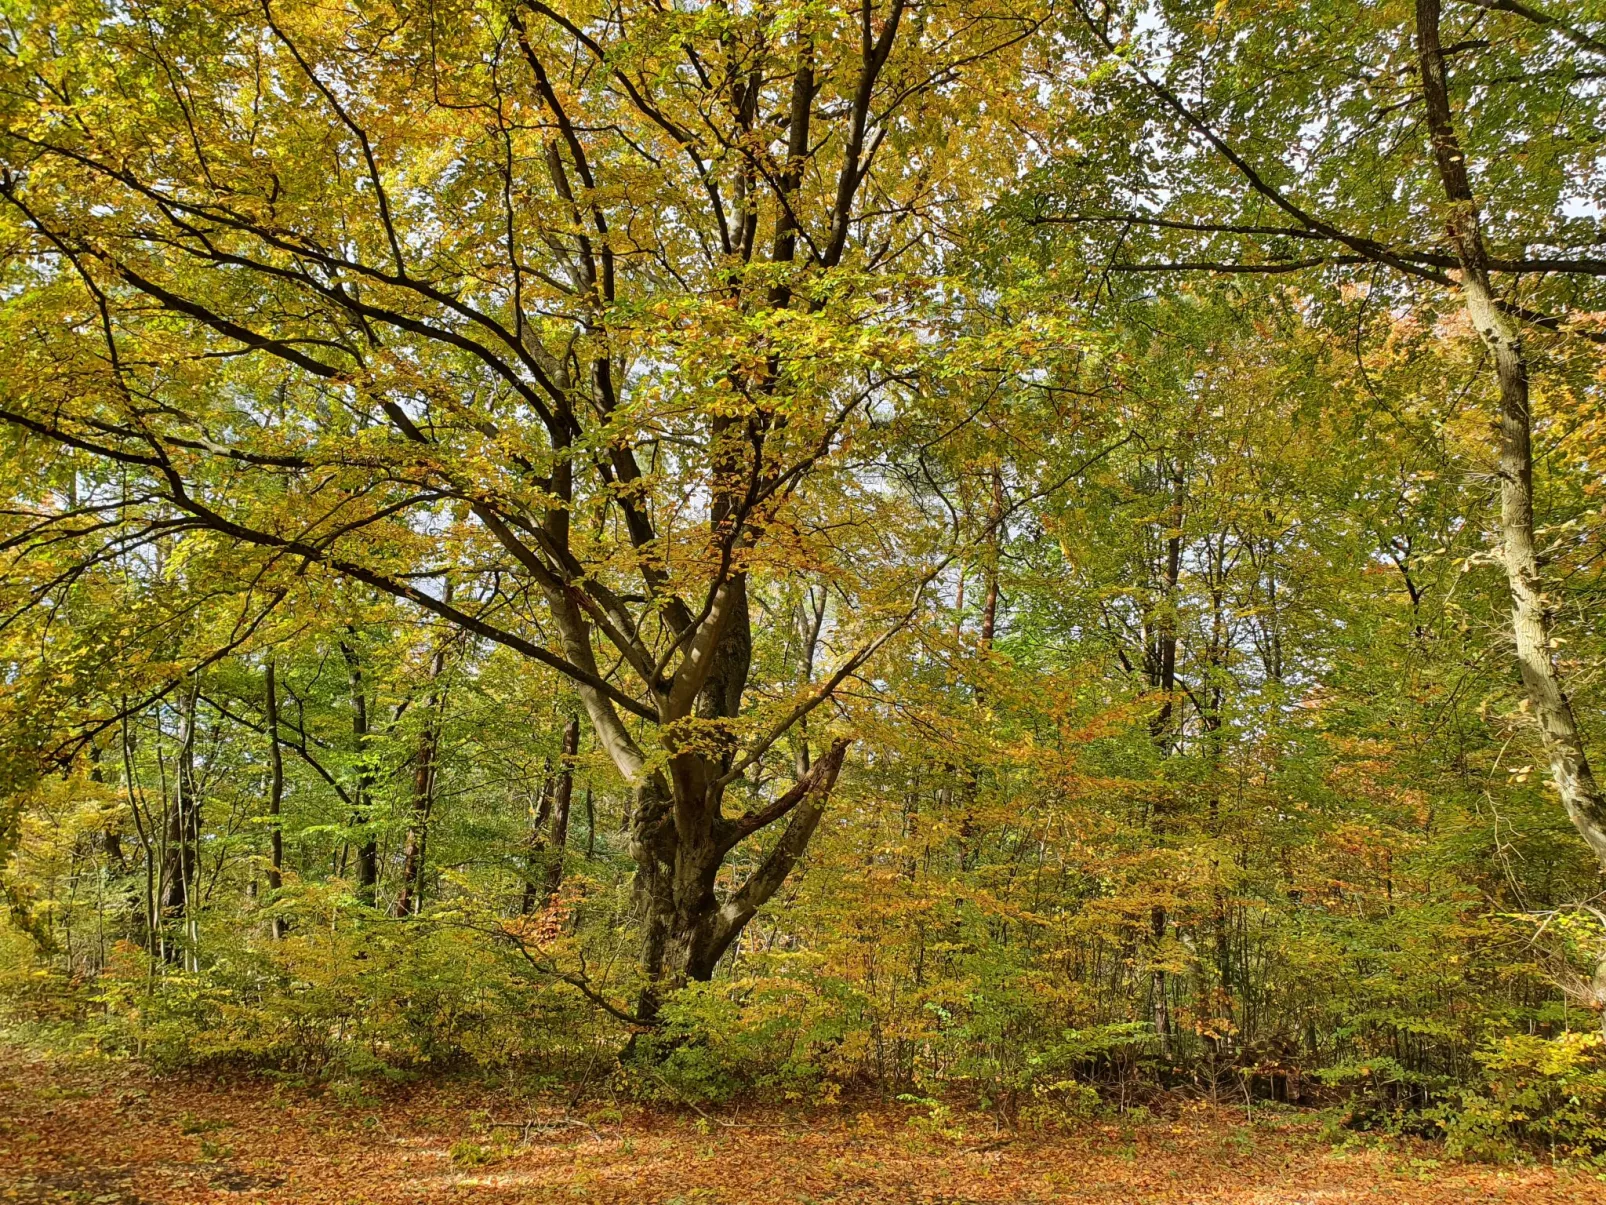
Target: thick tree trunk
686,927
408,889
1530,612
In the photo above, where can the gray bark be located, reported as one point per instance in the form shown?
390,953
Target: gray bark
1531,615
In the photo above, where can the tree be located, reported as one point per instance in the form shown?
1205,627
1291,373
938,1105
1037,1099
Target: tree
584,305
1530,613
1365,191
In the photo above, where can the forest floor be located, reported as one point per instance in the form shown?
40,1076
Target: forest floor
106,1133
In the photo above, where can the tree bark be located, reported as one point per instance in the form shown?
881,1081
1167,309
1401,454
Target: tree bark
687,928
275,796
1162,654
562,798
683,644
535,843
1530,611
1162,665
995,540
969,783
367,840
410,890
179,869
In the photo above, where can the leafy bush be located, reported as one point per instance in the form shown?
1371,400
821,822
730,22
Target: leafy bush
1541,1094
1057,1079
343,996
1386,1095
36,999
779,1030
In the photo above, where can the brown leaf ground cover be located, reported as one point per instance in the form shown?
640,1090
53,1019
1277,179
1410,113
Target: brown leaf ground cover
108,1134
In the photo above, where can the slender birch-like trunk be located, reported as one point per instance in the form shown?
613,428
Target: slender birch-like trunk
1530,610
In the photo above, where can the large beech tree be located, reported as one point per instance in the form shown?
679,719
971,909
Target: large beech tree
581,307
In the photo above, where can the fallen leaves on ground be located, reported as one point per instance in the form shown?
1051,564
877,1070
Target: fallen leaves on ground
108,1134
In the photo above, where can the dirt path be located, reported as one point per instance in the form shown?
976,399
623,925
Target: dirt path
107,1135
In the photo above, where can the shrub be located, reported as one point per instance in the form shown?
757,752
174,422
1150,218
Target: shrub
351,998
776,1030
1541,1094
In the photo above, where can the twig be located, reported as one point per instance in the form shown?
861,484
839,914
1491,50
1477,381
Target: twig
995,1145
534,1125
720,1121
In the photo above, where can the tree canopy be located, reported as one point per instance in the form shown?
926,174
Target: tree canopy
988,542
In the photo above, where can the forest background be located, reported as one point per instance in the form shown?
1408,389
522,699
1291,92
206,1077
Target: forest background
1043,552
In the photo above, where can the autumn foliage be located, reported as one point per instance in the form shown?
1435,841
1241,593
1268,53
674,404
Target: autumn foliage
1035,559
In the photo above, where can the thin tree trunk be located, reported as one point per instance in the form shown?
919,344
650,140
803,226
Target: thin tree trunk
535,844
183,832
410,889
1160,1013
560,809
811,621
969,782
1163,677
367,840
1163,658
110,838
275,797
1530,614
995,521
149,918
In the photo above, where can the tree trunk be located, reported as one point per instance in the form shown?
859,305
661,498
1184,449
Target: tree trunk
1160,1013
1530,613
149,843
560,809
970,783
275,796
410,890
995,540
1162,655
535,843
362,820
179,869
1162,663
686,927
110,837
